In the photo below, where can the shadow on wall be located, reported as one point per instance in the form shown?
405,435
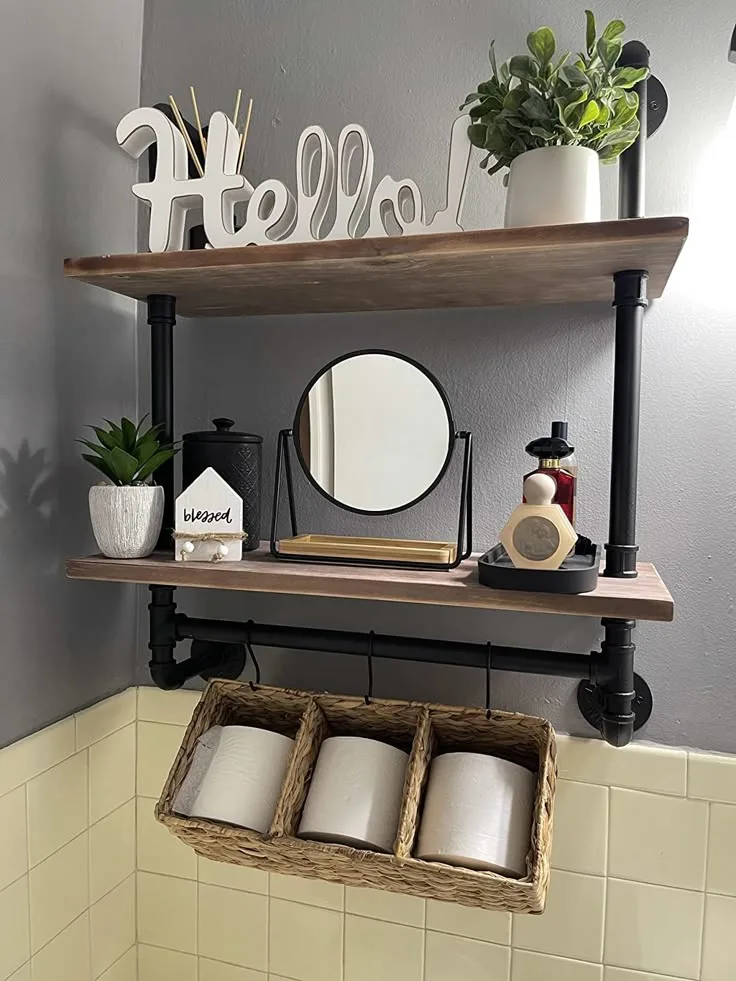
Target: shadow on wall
67,358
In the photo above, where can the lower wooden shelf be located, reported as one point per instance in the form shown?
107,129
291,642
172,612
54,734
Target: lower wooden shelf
643,598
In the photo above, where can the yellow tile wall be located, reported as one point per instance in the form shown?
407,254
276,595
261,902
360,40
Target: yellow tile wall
643,885
67,849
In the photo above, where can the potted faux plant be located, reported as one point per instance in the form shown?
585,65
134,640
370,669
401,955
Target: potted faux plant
128,511
551,121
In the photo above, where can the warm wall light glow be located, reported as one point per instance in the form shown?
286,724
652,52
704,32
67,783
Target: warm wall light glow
710,254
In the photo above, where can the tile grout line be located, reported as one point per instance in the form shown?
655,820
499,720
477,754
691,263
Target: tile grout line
701,958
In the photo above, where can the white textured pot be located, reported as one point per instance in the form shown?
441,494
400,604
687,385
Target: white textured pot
554,185
126,520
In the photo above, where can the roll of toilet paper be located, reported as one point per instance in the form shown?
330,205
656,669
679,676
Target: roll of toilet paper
355,794
243,782
203,753
478,813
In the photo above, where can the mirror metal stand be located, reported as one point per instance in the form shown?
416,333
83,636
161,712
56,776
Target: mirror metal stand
284,474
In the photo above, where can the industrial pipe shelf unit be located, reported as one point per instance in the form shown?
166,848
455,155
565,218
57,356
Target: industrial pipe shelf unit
610,695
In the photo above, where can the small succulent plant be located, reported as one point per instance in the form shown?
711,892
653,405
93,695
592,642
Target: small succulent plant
128,455
534,101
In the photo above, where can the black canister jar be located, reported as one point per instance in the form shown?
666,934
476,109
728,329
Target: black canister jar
237,459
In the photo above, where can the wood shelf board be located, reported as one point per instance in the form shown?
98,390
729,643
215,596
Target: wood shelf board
643,598
494,267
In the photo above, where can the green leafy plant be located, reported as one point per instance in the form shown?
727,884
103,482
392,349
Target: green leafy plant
127,454
535,100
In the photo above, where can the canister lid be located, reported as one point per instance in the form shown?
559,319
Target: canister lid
222,433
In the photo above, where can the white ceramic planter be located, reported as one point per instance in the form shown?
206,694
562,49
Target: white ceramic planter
554,185
126,520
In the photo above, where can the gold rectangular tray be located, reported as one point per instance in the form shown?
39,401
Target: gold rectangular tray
341,547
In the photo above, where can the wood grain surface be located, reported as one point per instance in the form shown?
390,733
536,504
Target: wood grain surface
644,598
494,267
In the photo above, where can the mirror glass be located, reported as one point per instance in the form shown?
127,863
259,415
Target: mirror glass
373,432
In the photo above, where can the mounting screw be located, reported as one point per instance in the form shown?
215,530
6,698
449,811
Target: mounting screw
654,105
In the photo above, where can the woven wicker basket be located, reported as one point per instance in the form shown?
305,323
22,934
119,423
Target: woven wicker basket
420,728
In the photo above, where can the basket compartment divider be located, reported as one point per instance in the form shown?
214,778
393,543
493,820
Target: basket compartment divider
416,778
312,730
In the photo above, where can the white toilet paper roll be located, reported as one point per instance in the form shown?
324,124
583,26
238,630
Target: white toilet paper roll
203,753
478,813
355,793
243,782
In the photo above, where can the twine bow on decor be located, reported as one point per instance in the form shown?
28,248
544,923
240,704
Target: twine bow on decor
220,537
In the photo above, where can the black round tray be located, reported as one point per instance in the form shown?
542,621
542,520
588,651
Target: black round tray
577,574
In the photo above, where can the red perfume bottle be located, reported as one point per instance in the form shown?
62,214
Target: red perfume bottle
551,451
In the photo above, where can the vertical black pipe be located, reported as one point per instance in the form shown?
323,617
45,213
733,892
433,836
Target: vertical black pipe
161,319
631,171
162,638
614,672
630,301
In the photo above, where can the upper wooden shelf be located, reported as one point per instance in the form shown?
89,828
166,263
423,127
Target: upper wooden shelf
496,267
644,598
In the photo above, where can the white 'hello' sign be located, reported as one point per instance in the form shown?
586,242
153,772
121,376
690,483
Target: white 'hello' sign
273,213
209,521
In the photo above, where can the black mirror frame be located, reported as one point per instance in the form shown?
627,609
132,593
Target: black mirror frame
451,435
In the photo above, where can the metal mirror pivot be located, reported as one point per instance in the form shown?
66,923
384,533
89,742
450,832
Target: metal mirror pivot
373,432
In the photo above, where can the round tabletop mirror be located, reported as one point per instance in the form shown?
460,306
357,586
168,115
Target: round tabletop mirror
374,432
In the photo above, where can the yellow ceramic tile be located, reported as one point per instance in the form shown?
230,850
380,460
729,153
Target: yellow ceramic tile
581,828
464,921
125,969
528,966
59,891
232,876
712,777
217,971
170,707
157,749
112,924
105,718
233,926
305,942
13,836
451,958
620,974
28,757
111,772
719,939
651,928
167,912
721,876
158,964
638,766
57,807
15,945
656,839
66,958
578,936
374,949
23,975
159,850
313,892
111,851
390,906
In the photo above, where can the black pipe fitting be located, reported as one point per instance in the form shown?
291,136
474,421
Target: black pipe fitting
614,673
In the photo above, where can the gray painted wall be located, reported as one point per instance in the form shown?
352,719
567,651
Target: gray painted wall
67,354
401,70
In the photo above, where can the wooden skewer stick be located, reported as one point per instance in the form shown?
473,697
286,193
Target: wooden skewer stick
185,134
237,107
244,137
202,140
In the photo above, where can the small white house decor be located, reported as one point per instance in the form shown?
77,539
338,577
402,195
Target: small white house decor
209,521
274,214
